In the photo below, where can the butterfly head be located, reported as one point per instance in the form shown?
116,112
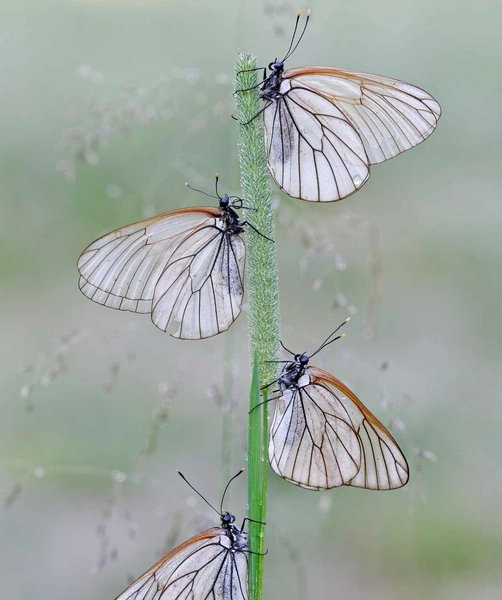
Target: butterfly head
227,519
225,201
302,359
277,66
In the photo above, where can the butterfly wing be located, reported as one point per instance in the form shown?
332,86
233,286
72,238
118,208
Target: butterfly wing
327,126
202,286
312,442
314,152
382,464
122,268
202,568
389,115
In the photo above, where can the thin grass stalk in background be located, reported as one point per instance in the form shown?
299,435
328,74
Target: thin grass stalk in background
227,410
263,298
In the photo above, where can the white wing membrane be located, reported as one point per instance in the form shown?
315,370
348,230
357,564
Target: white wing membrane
202,287
203,568
322,436
327,126
181,266
312,440
121,269
383,465
391,116
313,151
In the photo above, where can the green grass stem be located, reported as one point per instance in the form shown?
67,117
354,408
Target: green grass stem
263,298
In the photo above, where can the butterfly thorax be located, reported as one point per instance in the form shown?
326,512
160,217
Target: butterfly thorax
294,374
271,88
232,225
238,539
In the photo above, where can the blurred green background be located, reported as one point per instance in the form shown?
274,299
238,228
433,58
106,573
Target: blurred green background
107,108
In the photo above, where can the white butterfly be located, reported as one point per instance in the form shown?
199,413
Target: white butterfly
212,565
322,436
324,126
186,265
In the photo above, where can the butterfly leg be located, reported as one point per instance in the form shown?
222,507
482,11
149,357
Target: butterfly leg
251,521
257,114
264,401
275,380
264,69
253,87
256,230
257,553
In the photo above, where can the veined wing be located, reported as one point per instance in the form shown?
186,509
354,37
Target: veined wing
312,440
382,464
390,116
202,286
314,152
121,268
202,568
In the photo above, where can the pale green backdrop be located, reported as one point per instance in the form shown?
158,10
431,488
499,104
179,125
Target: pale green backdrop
107,108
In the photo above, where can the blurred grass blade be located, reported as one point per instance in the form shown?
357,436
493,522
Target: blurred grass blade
256,489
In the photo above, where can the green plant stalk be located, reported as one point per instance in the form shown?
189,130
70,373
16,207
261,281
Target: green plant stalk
257,487
227,410
263,298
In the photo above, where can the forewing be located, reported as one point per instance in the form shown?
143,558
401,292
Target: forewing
202,568
313,151
121,269
312,442
389,115
382,465
202,286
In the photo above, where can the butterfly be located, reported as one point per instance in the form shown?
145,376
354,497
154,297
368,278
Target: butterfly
211,565
186,265
324,126
322,436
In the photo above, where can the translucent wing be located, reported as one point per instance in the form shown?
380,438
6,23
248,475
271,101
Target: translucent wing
202,568
321,438
383,465
313,151
181,266
122,268
313,443
327,126
389,115
202,286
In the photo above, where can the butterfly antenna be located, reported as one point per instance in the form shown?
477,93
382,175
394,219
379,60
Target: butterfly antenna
217,177
328,340
226,488
284,347
240,202
290,52
201,192
198,493
294,33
